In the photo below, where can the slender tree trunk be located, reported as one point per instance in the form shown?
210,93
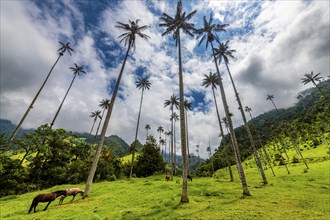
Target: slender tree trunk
172,146
136,134
253,145
32,103
211,158
232,133
184,195
25,155
104,129
92,127
59,109
222,135
275,106
98,127
266,154
174,150
188,159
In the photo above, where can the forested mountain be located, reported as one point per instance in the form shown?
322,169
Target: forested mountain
117,145
305,123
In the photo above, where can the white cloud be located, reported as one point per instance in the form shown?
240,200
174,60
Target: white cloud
284,40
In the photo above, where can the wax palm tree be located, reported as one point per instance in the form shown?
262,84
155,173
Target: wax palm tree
197,151
172,102
167,134
312,78
104,105
223,53
209,30
174,118
147,127
212,80
64,48
162,143
77,71
174,25
249,110
209,149
95,115
141,83
270,98
187,107
131,30
160,129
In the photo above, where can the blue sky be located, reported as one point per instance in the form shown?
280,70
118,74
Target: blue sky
276,43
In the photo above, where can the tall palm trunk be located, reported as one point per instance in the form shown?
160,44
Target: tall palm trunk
188,159
104,129
184,195
232,133
136,133
255,153
98,127
59,109
275,106
172,146
92,127
223,136
34,99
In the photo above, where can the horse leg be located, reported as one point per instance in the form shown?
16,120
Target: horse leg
73,197
61,199
33,206
47,205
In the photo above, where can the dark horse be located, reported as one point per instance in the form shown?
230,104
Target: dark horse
49,197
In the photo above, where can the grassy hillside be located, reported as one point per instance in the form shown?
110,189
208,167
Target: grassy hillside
300,195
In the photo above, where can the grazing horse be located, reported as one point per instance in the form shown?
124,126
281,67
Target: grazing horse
49,197
189,177
71,192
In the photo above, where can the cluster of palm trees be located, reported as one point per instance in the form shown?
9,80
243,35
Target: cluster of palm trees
77,71
175,25
286,129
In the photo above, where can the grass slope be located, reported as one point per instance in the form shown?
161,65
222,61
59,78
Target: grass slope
304,194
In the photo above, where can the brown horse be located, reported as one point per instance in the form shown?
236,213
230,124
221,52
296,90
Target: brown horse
71,192
49,197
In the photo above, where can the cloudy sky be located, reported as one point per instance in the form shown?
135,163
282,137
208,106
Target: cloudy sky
276,43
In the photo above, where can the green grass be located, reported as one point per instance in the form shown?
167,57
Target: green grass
128,158
303,194
300,195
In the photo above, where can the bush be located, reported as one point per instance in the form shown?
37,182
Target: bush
112,178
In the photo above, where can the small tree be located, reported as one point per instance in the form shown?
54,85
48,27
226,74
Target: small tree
149,161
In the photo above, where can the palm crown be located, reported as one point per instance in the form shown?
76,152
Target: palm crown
65,47
96,114
209,31
223,52
211,80
77,69
132,29
270,97
143,83
311,78
173,101
104,103
180,21
187,105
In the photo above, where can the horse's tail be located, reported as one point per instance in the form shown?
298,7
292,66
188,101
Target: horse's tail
31,207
